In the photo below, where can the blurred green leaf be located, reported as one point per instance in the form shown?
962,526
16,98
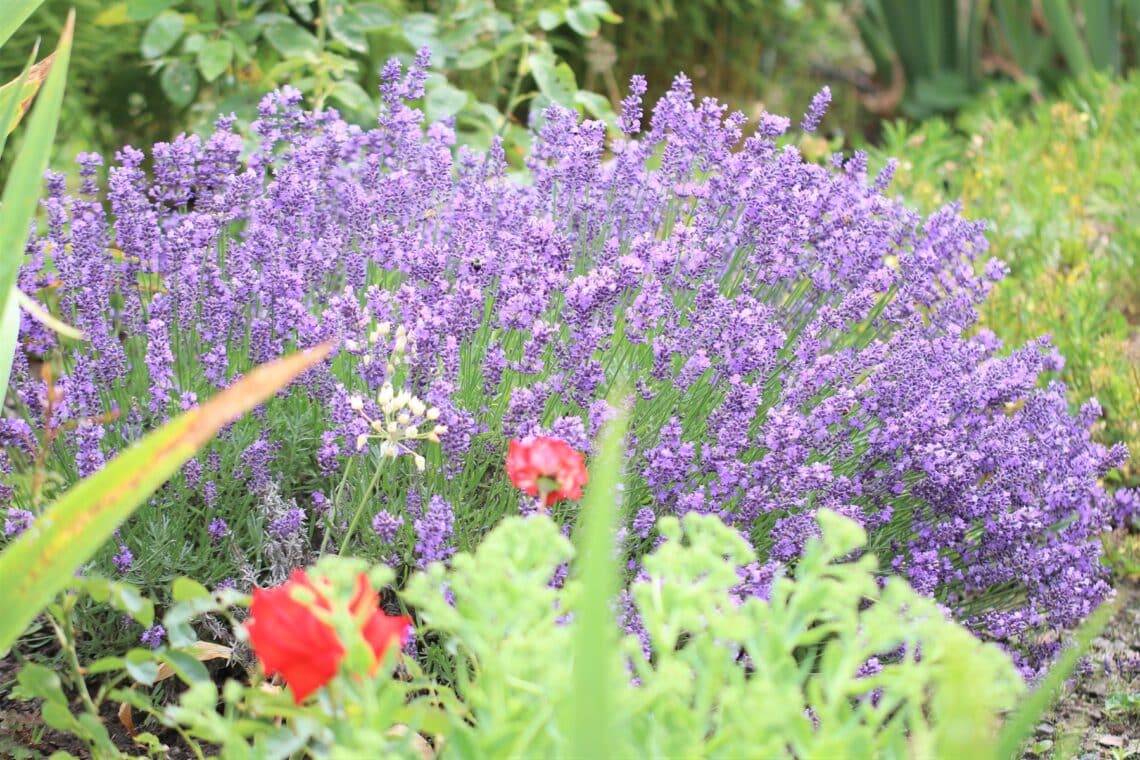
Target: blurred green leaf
352,96
595,630
113,15
554,80
161,34
291,41
41,561
303,9
444,100
372,16
583,22
214,58
346,27
22,189
144,10
179,82
15,13
473,58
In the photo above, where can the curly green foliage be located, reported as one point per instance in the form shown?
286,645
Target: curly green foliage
725,673
1060,200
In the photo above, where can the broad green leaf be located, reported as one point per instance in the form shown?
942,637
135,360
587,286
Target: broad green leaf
549,20
161,34
583,22
40,563
303,9
179,82
372,16
141,666
187,588
595,630
22,190
473,58
15,13
554,80
443,101
214,57
594,104
352,96
113,15
346,27
144,10
291,41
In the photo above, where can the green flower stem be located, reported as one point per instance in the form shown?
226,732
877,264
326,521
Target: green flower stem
360,509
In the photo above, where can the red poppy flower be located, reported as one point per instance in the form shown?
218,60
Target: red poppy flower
546,467
290,638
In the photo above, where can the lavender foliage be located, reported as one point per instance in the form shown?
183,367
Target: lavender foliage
796,338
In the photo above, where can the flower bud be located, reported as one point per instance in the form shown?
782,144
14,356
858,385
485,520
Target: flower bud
361,441
421,463
433,413
411,431
357,403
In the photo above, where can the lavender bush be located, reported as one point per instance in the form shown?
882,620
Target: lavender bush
796,339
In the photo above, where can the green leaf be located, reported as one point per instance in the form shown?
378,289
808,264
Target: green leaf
16,96
22,190
594,104
161,34
443,101
214,58
41,562
303,9
9,338
291,41
554,80
15,13
372,16
113,15
142,10
141,666
549,20
184,589
352,96
105,665
186,666
583,22
38,682
179,82
595,631
347,28
473,58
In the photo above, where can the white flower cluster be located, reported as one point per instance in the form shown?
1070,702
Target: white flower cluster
403,417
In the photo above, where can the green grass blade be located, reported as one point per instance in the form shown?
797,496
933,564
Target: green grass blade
41,562
15,13
595,630
1020,725
22,190
1064,28
1103,22
9,334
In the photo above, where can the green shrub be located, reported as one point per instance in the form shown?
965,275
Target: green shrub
1058,190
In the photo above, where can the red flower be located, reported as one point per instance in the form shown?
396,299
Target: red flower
290,638
547,467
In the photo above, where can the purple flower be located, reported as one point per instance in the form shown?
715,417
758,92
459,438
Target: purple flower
385,524
818,108
123,559
154,636
434,533
19,520
644,521
289,524
217,529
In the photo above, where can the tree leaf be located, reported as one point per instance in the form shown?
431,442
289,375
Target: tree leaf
291,41
179,82
41,561
161,34
347,28
214,58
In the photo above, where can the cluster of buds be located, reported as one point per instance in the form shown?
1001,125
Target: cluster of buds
396,356
403,418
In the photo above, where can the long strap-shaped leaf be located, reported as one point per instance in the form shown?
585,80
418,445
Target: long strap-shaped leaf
22,190
15,13
39,564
